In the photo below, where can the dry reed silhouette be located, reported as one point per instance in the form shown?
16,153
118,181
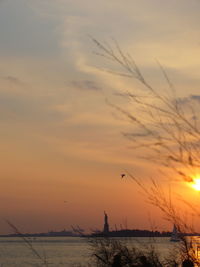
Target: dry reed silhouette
117,253
167,130
171,135
28,243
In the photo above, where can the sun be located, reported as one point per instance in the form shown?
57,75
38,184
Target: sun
196,183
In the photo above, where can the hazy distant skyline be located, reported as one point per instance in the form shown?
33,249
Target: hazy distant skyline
60,141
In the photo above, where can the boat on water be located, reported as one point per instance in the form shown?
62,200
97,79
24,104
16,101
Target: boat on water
175,236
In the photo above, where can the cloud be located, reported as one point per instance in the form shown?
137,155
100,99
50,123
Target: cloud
195,97
189,99
86,85
13,80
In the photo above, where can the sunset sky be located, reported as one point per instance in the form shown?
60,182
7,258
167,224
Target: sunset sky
62,148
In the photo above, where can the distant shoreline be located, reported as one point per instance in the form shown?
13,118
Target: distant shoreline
138,233
48,234
116,233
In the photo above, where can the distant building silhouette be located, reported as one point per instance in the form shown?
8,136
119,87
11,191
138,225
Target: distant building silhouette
128,232
106,225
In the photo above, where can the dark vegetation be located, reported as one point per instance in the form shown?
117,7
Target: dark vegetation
115,253
133,233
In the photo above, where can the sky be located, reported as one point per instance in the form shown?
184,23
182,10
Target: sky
62,148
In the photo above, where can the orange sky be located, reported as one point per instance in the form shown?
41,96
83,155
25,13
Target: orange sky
59,139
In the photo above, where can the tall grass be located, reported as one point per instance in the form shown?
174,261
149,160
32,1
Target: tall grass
166,130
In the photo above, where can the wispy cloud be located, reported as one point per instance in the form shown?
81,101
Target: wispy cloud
13,80
195,97
189,99
86,85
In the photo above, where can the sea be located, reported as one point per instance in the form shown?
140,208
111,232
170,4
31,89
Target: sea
66,251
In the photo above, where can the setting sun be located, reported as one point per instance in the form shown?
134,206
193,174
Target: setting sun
196,183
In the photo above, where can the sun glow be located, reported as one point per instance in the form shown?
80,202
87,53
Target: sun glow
196,183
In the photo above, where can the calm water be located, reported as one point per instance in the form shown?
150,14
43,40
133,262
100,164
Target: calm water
63,251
